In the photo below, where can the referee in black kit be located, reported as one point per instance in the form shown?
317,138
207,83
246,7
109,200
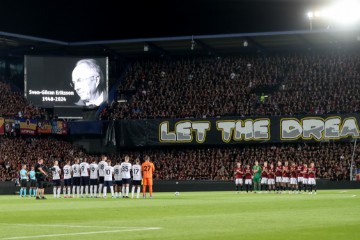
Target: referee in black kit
40,177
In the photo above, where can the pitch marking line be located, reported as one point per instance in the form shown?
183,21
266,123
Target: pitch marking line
61,225
81,233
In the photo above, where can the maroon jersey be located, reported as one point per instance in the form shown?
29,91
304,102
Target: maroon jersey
286,171
305,172
239,172
248,174
312,172
293,172
264,173
271,173
278,172
300,171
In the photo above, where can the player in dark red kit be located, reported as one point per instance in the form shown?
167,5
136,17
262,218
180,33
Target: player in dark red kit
300,176
278,175
248,178
271,177
311,180
293,177
286,177
264,177
239,173
305,176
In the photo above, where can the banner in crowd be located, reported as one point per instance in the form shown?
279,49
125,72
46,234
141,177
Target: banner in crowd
28,126
59,127
44,127
2,126
9,125
222,131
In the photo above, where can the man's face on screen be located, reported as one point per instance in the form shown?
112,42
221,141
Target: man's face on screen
85,81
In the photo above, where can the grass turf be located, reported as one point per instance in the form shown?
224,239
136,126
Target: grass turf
328,215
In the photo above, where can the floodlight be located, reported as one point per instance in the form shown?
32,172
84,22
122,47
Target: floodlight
310,15
344,12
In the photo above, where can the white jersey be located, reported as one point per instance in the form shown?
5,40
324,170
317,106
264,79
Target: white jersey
56,172
94,171
76,170
102,166
108,172
117,173
136,170
125,170
84,167
67,171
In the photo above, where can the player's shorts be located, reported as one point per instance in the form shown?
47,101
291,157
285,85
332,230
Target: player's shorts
118,182
85,181
56,182
248,182
126,180
278,179
256,179
76,181
300,179
293,181
238,181
285,180
40,183
271,181
23,183
108,183
138,182
147,182
311,181
264,180
101,180
67,182
94,182
305,180
33,183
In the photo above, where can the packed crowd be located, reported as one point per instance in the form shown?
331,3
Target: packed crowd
332,160
14,104
272,84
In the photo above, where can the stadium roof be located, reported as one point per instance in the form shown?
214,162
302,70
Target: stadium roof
123,28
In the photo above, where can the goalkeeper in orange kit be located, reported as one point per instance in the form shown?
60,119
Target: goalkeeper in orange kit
147,169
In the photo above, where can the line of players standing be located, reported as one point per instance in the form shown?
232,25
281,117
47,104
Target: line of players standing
292,178
79,178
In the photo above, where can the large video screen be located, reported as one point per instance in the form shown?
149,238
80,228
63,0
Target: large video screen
66,81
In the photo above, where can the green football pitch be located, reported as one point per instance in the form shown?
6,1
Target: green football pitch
192,215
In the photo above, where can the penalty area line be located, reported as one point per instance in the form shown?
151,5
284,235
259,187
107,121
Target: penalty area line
81,233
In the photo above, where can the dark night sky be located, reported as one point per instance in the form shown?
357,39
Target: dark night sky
78,20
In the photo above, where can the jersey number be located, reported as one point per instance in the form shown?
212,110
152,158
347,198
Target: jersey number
125,169
107,172
146,168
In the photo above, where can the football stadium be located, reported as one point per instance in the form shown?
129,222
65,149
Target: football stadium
202,119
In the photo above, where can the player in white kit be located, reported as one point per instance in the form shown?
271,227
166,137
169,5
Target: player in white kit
126,178
67,180
84,171
56,179
108,179
76,177
102,164
118,179
93,179
136,174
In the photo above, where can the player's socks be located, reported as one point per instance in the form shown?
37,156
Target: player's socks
91,190
86,190
100,188
247,187
311,188
21,191
112,191
138,192
241,188
58,192
132,191
95,190
78,190
54,192
24,192
123,191
35,190
81,190
73,190
144,190
304,187
104,191
150,190
127,191
314,188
